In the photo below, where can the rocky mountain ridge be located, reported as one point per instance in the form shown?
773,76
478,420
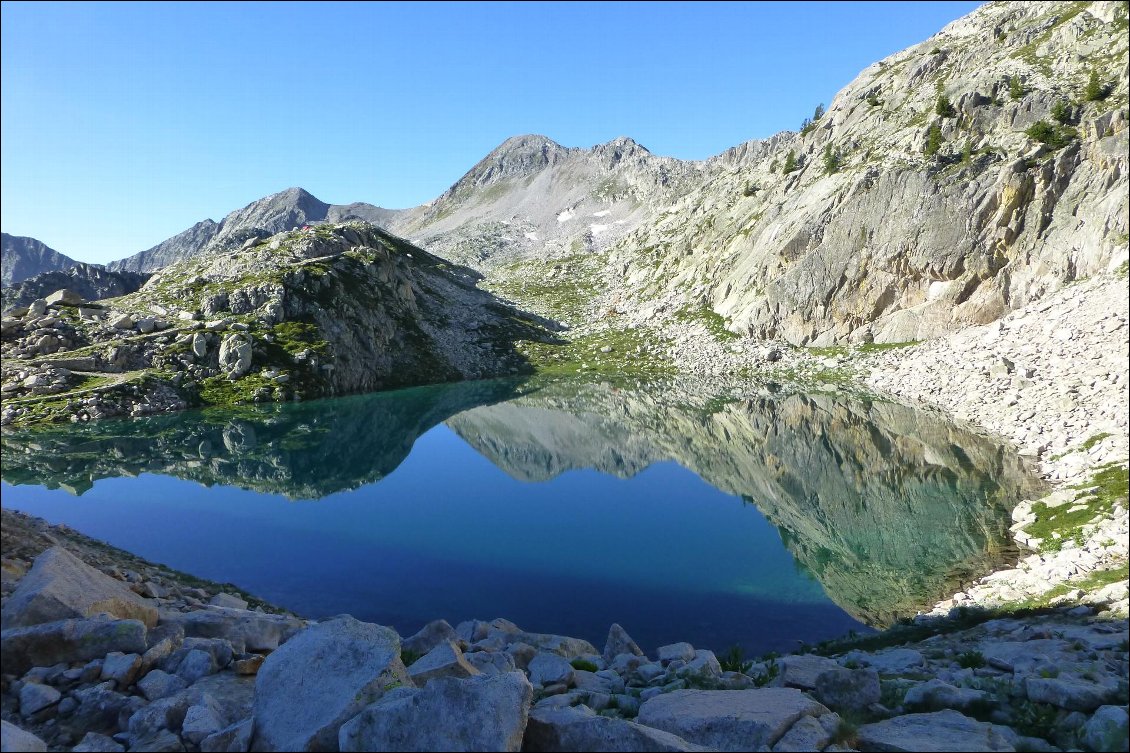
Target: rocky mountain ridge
22,257
264,217
91,281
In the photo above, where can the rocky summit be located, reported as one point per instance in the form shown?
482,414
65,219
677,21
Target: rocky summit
952,232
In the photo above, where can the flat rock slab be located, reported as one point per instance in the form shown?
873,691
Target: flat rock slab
321,678
13,738
445,660
247,630
801,671
429,636
579,728
68,641
738,720
939,731
487,712
60,586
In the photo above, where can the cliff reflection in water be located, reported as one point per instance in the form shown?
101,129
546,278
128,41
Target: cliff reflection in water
889,507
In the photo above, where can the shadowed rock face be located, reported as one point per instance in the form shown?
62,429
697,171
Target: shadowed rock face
887,506
91,281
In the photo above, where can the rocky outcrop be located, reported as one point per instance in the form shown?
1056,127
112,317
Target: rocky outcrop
22,257
286,210
863,237
531,199
326,311
90,281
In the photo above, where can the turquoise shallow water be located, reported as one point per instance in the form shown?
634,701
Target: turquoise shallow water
735,517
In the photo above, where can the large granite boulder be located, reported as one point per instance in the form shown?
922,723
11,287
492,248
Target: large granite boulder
13,738
321,678
68,641
940,731
739,720
247,630
445,660
60,586
487,712
580,728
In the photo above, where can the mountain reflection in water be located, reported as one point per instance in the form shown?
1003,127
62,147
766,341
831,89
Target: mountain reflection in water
889,508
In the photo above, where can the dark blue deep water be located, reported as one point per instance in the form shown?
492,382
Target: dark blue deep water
720,516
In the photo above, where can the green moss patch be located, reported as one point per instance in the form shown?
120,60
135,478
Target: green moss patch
1055,525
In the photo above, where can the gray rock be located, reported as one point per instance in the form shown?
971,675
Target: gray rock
15,739
895,661
574,728
64,296
737,720
491,662
319,679
121,321
704,666
196,664
801,671
935,695
49,643
546,669
225,599
99,708
162,741
619,642
676,651
38,307
235,355
570,648
235,738
488,712
146,325
36,697
428,637
159,684
202,720
939,731
246,630
1108,730
848,690
445,660
123,669
60,586
93,742
1067,692
806,734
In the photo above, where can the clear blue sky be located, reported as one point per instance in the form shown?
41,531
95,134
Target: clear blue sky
123,124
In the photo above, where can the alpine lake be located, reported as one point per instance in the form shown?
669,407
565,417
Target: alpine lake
722,514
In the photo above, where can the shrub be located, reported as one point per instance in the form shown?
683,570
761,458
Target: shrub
933,140
1061,111
1055,137
1096,90
750,189
943,107
832,160
790,162
971,660
873,99
734,660
583,665
1016,89
764,678
818,113
967,152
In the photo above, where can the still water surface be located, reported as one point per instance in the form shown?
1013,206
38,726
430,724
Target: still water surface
719,515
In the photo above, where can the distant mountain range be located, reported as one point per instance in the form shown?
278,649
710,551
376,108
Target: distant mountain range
24,257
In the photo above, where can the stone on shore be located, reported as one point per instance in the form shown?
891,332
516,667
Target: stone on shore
428,637
321,678
487,712
1108,730
848,689
547,669
247,630
570,648
575,728
235,738
15,739
445,660
619,642
50,643
35,697
93,742
802,670
737,720
158,684
60,586
939,731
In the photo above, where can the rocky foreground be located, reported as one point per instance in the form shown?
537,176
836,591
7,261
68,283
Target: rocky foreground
126,655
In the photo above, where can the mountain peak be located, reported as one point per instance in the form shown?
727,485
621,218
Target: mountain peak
517,156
